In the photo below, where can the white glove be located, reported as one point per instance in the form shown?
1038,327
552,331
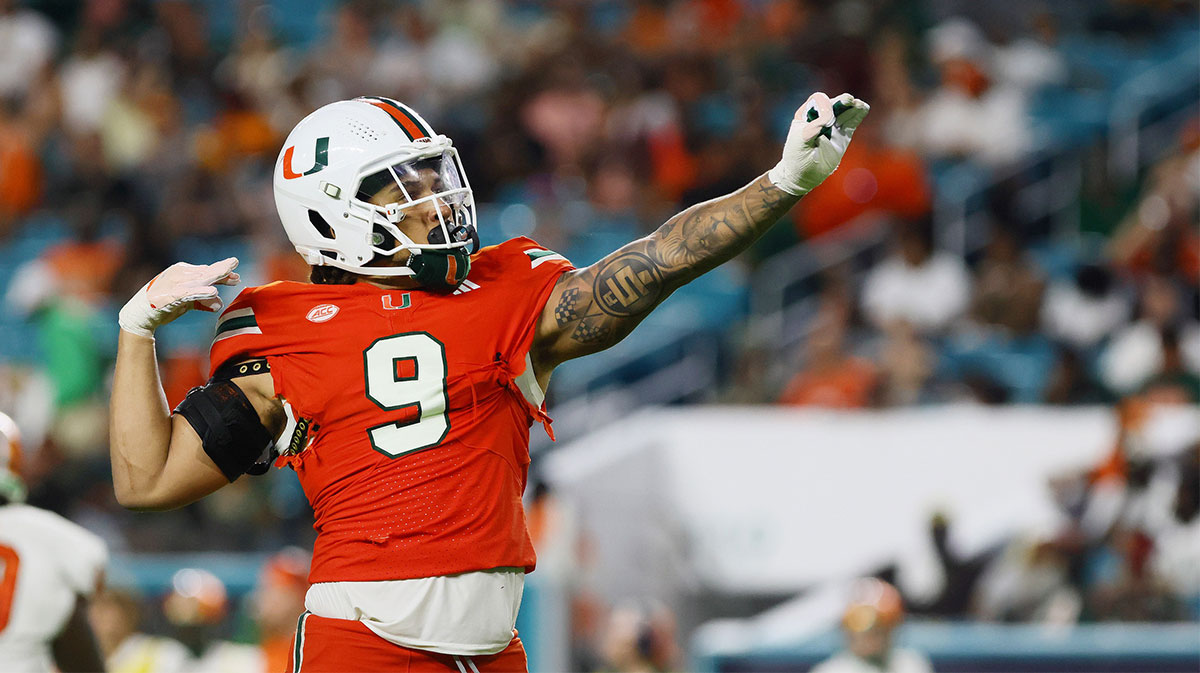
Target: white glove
173,292
817,140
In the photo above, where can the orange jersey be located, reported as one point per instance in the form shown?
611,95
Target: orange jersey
418,407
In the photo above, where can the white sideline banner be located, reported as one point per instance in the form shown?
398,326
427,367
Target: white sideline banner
771,499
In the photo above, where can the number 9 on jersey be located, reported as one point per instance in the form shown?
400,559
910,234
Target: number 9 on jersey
404,371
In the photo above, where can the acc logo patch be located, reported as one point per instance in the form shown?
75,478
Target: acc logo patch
322,312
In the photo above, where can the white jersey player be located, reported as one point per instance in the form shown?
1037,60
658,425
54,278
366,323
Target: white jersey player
48,568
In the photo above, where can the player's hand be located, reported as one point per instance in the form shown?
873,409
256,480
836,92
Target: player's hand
173,292
818,138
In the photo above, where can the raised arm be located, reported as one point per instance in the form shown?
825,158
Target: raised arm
593,308
158,460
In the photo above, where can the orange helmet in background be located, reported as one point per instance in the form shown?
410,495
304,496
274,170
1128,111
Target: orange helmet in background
873,603
286,568
12,486
197,598
278,599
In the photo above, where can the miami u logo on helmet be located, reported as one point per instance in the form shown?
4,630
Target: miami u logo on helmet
322,160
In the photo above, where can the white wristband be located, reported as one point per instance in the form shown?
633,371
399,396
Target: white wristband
136,316
780,178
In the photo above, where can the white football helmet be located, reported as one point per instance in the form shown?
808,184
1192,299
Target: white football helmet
11,485
343,153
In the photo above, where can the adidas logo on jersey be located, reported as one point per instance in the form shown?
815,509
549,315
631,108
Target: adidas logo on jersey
466,286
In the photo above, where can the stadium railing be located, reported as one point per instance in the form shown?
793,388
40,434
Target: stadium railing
979,647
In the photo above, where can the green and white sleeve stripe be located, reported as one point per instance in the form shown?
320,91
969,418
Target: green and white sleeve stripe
236,323
539,256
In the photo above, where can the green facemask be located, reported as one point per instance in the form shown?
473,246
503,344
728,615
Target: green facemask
440,269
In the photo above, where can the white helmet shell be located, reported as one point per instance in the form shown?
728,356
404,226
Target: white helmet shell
322,166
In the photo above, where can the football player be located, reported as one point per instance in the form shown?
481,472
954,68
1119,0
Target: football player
401,384
116,616
49,567
872,615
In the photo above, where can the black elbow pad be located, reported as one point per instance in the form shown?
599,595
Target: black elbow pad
228,426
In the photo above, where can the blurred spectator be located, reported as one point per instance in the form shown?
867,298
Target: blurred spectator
196,607
1177,549
899,101
1000,354
1136,351
832,377
1087,308
567,116
1123,586
116,615
917,284
1113,486
554,529
906,363
874,612
266,73
20,167
460,60
133,123
62,293
340,65
1159,235
277,603
89,80
239,131
872,178
1029,582
1173,383
1071,382
641,642
1033,60
970,116
1008,288
962,573
754,378
27,43
1127,501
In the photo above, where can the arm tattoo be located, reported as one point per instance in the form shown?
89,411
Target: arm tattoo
586,328
599,305
627,285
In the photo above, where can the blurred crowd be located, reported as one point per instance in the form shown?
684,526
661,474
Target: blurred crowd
136,133
209,630
1126,546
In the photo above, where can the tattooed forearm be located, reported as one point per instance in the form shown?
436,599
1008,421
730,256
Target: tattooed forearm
596,307
713,232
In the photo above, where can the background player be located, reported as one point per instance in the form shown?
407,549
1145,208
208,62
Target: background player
872,615
404,400
116,617
49,567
